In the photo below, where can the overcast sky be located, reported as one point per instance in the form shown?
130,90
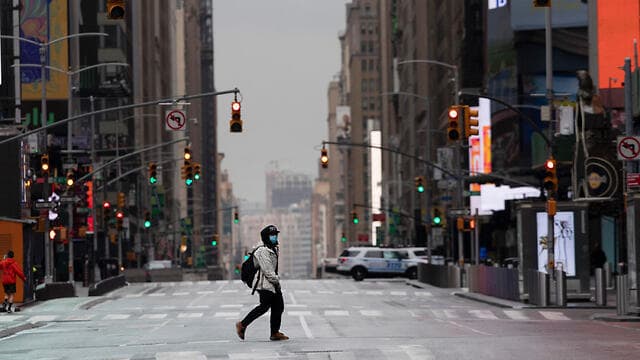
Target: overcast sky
281,54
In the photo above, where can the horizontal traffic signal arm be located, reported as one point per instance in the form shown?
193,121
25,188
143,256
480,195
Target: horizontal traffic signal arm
390,211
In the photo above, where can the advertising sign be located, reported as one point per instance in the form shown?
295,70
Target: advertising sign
564,245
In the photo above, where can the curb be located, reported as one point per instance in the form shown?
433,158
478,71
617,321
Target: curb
491,301
615,318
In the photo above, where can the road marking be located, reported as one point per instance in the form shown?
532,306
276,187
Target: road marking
153,316
516,315
483,314
227,314
398,293
303,292
231,306
438,314
189,315
180,294
164,307
374,292
417,352
293,300
298,313
157,294
42,318
133,295
186,283
325,292
370,313
423,293
206,292
80,317
553,315
197,306
450,314
237,281
305,327
469,328
336,313
350,292
178,355
297,305
9,318
116,317
254,355
230,291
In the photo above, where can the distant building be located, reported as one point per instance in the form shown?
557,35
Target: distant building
285,188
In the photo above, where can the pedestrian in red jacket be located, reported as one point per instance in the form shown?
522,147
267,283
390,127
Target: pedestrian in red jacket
9,269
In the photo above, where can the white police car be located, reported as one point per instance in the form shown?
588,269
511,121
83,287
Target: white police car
361,262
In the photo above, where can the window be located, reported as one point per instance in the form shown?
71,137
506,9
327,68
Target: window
420,253
349,253
365,103
377,254
363,65
363,46
403,255
364,85
363,29
371,64
391,255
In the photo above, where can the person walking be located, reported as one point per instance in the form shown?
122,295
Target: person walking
265,257
9,269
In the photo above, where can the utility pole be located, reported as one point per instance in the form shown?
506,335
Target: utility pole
549,83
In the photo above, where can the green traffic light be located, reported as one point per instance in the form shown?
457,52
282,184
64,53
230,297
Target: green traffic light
188,182
437,220
196,176
147,224
153,180
420,188
343,239
356,220
214,243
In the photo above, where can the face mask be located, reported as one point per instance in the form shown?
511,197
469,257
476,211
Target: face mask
273,239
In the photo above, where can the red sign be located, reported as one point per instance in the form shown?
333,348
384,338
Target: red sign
363,237
633,179
379,217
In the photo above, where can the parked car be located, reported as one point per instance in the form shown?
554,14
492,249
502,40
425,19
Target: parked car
362,262
154,265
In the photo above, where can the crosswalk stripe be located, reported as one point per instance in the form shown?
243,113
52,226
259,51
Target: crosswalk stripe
297,305
350,292
189,315
157,294
298,313
325,292
197,306
438,314
374,293
231,306
116,317
83,317
303,291
483,314
336,313
179,355
417,352
204,282
423,293
230,291
180,294
553,315
133,295
186,283
42,318
399,293
227,314
153,316
516,315
370,313
10,318
206,292
450,314
254,355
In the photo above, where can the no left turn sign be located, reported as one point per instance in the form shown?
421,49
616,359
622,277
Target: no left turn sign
175,119
628,148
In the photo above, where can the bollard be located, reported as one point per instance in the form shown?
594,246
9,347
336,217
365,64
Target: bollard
607,275
561,288
601,289
622,294
543,289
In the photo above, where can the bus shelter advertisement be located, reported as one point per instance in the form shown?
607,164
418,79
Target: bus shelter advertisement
564,246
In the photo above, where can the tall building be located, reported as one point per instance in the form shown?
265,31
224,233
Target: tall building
285,188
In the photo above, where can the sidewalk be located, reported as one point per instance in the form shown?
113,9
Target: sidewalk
604,313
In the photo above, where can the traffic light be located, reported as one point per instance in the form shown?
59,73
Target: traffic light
436,218
214,240
354,217
236,219
235,124
454,131
44,163
343,238
70,179
52,234
115,9
541,3
466,223
153,173
470,122
147,219
196,171
551,176
187,173
119,219
183,243
106,212
324,158
187,153
121,200
419,184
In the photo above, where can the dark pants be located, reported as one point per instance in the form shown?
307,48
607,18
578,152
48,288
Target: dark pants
267,300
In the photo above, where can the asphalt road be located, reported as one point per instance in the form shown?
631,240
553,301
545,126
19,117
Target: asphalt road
326,319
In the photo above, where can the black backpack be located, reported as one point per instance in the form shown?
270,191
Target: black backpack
249,270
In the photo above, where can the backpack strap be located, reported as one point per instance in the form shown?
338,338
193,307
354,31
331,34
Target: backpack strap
256,284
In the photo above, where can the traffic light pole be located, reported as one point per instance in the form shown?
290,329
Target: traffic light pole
549,83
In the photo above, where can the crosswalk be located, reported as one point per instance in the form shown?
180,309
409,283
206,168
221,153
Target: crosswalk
177,293
233,312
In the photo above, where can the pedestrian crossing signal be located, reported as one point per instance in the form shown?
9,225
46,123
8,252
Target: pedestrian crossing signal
235,124
115,9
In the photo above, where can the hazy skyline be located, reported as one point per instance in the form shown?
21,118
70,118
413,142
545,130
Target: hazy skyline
281,54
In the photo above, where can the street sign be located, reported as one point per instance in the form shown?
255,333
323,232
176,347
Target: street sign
175,119
633,179
69,199
628,147
43,205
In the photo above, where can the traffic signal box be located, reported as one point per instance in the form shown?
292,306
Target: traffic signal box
354,217
119,219
187,172
187,153
454,130
324,158
147,219
420,183
551,176
153,173
70,178
470,122
236,217
235,124
106,213
466,223
122,200
436,217
115,9
196,171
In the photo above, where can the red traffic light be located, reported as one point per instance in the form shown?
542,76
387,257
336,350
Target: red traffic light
119,214
235,106
453,113
106,204
550,164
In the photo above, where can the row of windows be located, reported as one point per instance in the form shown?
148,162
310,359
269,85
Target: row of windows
370,104
369,85
367,47
369,65
371,29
